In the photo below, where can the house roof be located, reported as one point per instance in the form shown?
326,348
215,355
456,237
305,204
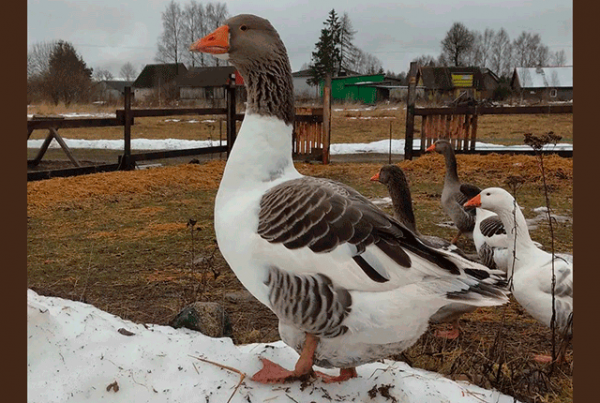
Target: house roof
207,76
301,73
153,74
543,77
440,78
118,85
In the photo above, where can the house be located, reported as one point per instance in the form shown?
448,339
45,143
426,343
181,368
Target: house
366,88
302,89
111,90
448,83
543,83
207,82
158,80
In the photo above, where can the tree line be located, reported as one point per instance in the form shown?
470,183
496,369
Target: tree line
183,25
57,73
493,50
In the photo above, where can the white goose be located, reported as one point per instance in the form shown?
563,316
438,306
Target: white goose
532,274
349,283
489,235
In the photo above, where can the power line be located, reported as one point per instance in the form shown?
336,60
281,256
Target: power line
112,46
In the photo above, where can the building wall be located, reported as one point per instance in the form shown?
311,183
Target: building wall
340,90
546,94
202,93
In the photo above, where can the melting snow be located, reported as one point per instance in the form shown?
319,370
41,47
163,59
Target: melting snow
78,353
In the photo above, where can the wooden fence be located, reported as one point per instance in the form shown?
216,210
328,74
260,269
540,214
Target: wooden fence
308,139
458,124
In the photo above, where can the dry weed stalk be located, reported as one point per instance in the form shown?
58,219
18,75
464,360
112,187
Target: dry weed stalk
537,143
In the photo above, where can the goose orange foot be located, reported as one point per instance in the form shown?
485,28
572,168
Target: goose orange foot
452,333
275,373
543,358
345,374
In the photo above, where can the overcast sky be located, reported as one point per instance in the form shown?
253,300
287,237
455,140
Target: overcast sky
109,33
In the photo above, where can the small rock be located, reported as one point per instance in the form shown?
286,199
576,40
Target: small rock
239,296
208,318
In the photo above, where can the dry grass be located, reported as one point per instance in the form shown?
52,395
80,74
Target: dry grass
120,241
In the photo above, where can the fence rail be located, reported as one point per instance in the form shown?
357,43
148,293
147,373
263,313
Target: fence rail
308,136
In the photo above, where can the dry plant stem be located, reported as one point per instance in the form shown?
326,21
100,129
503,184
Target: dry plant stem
237,371
553,321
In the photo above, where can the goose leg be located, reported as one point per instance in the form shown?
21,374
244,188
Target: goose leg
274,373
452,333
455,239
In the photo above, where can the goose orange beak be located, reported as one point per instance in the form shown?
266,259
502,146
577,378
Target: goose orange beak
375,177
217,42
430,148
474,202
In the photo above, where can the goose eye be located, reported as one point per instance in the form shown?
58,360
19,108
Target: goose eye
488,193
243,28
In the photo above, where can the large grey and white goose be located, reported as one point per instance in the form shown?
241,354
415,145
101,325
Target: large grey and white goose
393,177
531,268
349,283
453,197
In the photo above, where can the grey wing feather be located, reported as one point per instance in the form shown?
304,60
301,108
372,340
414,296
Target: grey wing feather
322,214
492,226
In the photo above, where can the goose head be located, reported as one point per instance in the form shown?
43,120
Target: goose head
389,173
440,146
253,46
493,199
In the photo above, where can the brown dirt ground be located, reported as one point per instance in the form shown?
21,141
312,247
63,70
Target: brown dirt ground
495,346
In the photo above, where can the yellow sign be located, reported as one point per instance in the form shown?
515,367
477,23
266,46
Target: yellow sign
462,80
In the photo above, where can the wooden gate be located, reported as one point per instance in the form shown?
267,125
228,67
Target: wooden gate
459,130
309,139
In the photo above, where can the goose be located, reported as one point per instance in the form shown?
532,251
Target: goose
395,180
348,283
531,268
489,234
452,196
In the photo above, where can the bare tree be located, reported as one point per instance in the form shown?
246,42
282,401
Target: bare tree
128,72
482,45
194,28
38,58
529,51
215,15
558,58
171,41
457,44
501,54
102,74
426,60
366,63
348,52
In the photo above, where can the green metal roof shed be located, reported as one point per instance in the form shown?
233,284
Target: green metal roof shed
355,88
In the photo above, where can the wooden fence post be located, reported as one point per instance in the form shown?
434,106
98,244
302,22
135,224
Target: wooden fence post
410,111
326,118
125,160
231,129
